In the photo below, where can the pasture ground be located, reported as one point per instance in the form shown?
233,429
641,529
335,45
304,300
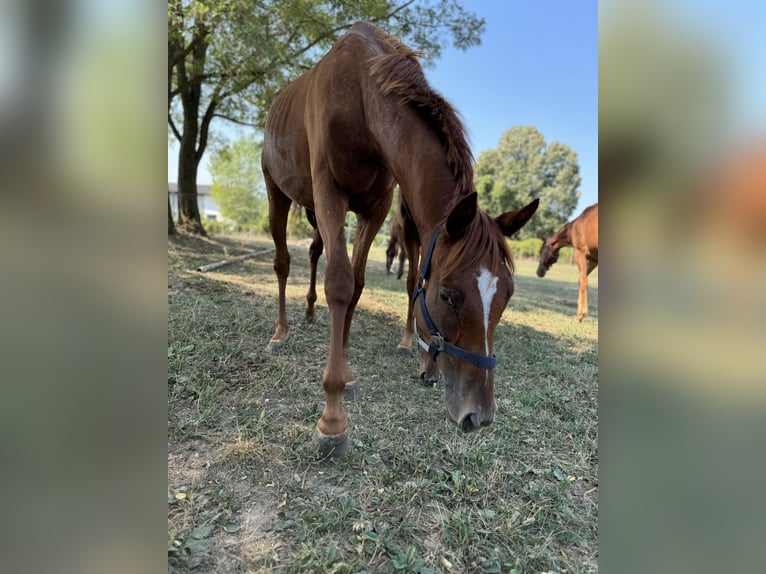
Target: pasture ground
414,494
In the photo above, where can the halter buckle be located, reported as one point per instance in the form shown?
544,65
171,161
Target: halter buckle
436,346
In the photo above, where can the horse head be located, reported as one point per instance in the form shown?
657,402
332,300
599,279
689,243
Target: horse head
466,283
548,256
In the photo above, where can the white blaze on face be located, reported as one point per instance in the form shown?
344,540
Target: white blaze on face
487,288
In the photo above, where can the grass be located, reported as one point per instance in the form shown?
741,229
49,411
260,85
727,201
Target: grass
414,494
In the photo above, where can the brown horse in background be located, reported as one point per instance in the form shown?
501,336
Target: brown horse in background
582,234
335,140
395,244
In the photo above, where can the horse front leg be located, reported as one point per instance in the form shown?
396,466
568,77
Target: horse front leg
279,208
315,252
331,437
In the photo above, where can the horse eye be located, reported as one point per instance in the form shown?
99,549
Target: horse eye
447,297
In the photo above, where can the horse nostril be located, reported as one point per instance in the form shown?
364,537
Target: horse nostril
470,422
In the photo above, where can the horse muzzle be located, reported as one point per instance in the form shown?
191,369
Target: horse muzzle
474,421
469,410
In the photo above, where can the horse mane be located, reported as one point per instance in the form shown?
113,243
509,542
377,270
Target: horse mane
482,237
399,72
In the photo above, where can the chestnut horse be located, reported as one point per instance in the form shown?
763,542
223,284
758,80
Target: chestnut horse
335,140
582,234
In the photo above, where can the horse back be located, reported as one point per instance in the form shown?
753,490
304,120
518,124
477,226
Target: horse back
320,122
285,156
584,232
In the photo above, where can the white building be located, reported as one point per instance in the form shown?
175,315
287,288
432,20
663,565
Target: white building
208,209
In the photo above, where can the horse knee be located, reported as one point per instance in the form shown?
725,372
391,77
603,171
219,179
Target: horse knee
282,265
339,287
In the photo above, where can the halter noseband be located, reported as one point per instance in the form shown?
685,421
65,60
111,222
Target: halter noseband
438,343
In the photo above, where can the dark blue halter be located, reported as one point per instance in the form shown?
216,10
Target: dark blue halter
438,343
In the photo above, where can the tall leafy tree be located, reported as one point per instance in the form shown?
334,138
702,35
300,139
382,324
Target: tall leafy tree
237,183
227,58
524,166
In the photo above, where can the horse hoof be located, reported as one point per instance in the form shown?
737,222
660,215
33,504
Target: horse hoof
275,347
330,445
404,352
352,391
309,319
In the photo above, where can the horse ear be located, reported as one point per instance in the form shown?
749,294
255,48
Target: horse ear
461,216
512,221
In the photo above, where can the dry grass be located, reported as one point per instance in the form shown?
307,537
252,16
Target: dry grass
245,493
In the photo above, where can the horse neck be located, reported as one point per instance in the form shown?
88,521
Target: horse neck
561,238
418,162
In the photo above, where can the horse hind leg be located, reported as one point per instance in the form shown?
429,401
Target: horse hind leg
279,208
582,295
590,266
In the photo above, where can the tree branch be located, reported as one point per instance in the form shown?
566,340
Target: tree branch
398,9
204,127
173,127
236,121
176,52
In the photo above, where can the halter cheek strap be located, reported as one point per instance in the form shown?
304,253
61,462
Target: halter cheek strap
438,343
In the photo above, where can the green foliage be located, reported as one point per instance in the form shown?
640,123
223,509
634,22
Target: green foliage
529,248
297,224
228,58
237,186
523,167
251,49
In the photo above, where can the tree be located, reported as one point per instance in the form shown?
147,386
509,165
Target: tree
524,167
237,183
171,225
227,58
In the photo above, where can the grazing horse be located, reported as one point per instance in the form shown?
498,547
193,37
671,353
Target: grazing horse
335,140
582,234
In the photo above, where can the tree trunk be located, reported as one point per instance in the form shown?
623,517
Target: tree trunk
171,225
189,155
188,211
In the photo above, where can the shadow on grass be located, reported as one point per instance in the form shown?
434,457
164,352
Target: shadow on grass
244,489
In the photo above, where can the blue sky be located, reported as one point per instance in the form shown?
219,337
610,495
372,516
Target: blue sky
537,65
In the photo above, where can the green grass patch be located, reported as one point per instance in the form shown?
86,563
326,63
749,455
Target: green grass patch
414,494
